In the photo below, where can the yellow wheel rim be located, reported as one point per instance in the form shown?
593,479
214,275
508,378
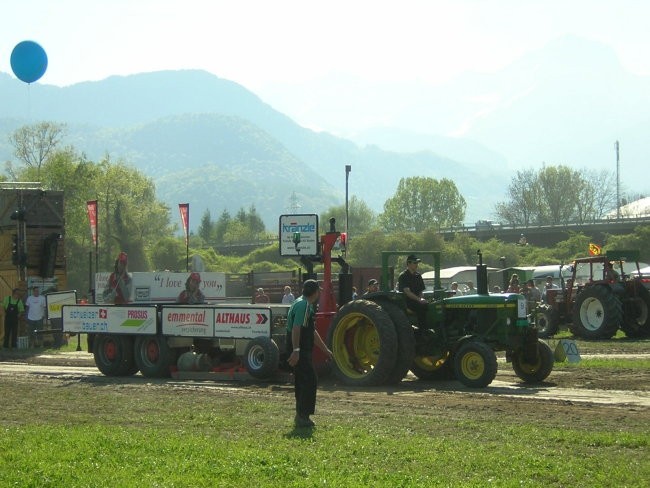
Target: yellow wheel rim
530,368
356,345
431,363
472,365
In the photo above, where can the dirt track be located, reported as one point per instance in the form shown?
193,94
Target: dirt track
620,388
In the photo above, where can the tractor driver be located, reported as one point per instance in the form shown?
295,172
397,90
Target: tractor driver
410,283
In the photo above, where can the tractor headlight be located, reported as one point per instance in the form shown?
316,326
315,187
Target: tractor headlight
522,308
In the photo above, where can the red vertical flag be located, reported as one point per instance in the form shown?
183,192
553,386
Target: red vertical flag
91,206
184,209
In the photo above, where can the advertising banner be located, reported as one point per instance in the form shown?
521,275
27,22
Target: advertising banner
302,227
91,206
188,321
184,209
54,302
242,323
165,286
107,318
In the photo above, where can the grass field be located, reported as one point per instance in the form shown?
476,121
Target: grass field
109,433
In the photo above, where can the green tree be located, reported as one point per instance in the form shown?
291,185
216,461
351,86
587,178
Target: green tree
221,226
421,202
206,227
361,217
34,144
168,254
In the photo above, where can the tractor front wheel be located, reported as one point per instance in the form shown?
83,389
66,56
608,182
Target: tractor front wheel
364,342
535,371
475,364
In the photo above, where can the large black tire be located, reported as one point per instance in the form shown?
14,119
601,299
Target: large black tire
636,317
364,342
538,370
153,356
114,354
438,367
547,320
262,357
597,313
475,364
405,342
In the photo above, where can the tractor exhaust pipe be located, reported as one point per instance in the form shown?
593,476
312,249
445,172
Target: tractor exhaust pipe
481,275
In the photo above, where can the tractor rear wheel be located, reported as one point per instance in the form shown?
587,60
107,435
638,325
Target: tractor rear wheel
547,321
435,367
636,320
364,342
597,313
538,370
114,354
153,356
261,357
475,364
405,342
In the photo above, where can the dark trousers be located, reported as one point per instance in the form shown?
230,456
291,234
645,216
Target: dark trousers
11,333
306,384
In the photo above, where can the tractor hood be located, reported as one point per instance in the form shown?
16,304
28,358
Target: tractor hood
512,301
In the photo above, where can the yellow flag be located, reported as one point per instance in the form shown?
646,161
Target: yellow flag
595,249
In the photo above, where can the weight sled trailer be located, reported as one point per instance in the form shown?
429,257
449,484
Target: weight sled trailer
157,339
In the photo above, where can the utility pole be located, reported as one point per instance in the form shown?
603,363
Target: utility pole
618,184
348,168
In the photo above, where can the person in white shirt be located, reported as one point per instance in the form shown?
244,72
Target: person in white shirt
35,304
288,298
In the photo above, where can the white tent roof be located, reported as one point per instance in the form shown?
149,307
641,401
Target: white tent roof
449,273
637,208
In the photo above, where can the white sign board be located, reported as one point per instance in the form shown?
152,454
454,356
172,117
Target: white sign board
188,321
113,319
54,302
164,286
242,323
307,226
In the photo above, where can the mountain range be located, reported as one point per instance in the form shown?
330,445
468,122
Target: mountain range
216,145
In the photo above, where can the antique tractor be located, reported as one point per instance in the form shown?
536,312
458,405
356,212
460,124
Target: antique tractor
376,339
598,299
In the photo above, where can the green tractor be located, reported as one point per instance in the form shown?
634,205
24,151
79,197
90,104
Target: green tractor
376,339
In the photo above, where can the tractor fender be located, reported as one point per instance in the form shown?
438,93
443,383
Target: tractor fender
461,341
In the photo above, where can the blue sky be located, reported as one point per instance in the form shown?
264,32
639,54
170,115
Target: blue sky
261,42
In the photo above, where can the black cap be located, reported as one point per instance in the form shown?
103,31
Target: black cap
412,258
310,287
372,282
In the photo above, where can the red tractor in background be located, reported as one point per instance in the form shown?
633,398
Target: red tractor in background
608,298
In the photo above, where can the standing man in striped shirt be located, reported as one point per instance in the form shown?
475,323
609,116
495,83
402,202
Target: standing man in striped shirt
301,336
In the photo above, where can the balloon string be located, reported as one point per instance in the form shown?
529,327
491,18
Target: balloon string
29,103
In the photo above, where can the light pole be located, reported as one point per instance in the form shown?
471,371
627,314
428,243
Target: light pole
348,168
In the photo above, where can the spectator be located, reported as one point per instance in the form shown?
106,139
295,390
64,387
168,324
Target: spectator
14,307
496,289
288,298
513,286
261,297
470,289
454,289
354,293
373,286
192,295
35,304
